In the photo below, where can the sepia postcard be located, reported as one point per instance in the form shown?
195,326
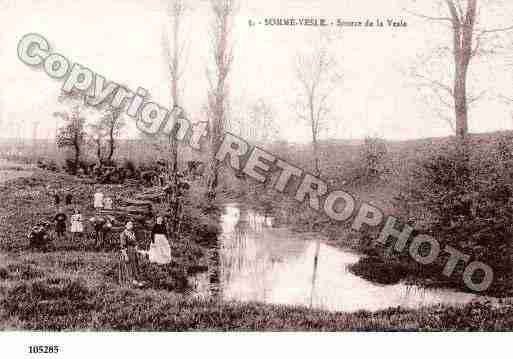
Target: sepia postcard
253,166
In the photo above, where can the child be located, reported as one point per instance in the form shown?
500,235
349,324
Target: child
68,199
107,203
106,228
38,235
77,226
98,200
98,223
60,223
56,199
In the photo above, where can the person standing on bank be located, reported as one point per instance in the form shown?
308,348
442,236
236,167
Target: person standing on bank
77,227
107,203
160,251
98,222
60,223
68,199
98,200
129,266
56,199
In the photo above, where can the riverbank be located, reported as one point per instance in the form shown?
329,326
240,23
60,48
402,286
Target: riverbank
58,291
75,288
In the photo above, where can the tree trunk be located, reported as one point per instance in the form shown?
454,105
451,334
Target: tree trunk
314,126
460,101
218,112
99,151
174,205
77,157
112,146
463,31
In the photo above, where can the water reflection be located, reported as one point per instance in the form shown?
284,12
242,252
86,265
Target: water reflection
255,262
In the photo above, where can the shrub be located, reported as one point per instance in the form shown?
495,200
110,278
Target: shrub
461,195
370,163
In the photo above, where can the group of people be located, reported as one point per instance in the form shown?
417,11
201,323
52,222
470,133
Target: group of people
159,251
101,224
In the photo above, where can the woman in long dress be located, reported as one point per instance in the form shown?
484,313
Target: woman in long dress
129,262
160,251
77,227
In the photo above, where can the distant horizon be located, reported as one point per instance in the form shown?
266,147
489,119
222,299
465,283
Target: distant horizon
278,141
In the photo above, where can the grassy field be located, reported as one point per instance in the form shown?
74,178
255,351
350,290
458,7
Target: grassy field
74,287
77,291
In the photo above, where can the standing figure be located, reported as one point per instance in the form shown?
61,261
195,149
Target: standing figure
56,199
60,223
98,200
97,221
38,235
106,228
107,203
129,264
68,199
160,251
77,227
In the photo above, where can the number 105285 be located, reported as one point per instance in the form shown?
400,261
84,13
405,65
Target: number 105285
43,349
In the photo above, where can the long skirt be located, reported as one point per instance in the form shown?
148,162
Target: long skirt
128,271
160,251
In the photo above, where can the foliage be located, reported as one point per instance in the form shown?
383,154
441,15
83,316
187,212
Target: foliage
72,133
461,194
373,158
104,133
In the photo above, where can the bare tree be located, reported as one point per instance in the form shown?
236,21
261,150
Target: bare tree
222,24
175,56
316,72
469,40
176,60
257,123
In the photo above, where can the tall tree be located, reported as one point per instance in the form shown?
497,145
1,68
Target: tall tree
96,139
221,29
72,134
468,38
317,75
105,132
175,56
113,122
256,123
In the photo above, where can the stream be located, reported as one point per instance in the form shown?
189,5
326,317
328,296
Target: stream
257,262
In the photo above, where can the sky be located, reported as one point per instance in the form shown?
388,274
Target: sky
122,40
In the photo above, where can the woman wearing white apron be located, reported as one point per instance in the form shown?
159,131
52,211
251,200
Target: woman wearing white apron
160,251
